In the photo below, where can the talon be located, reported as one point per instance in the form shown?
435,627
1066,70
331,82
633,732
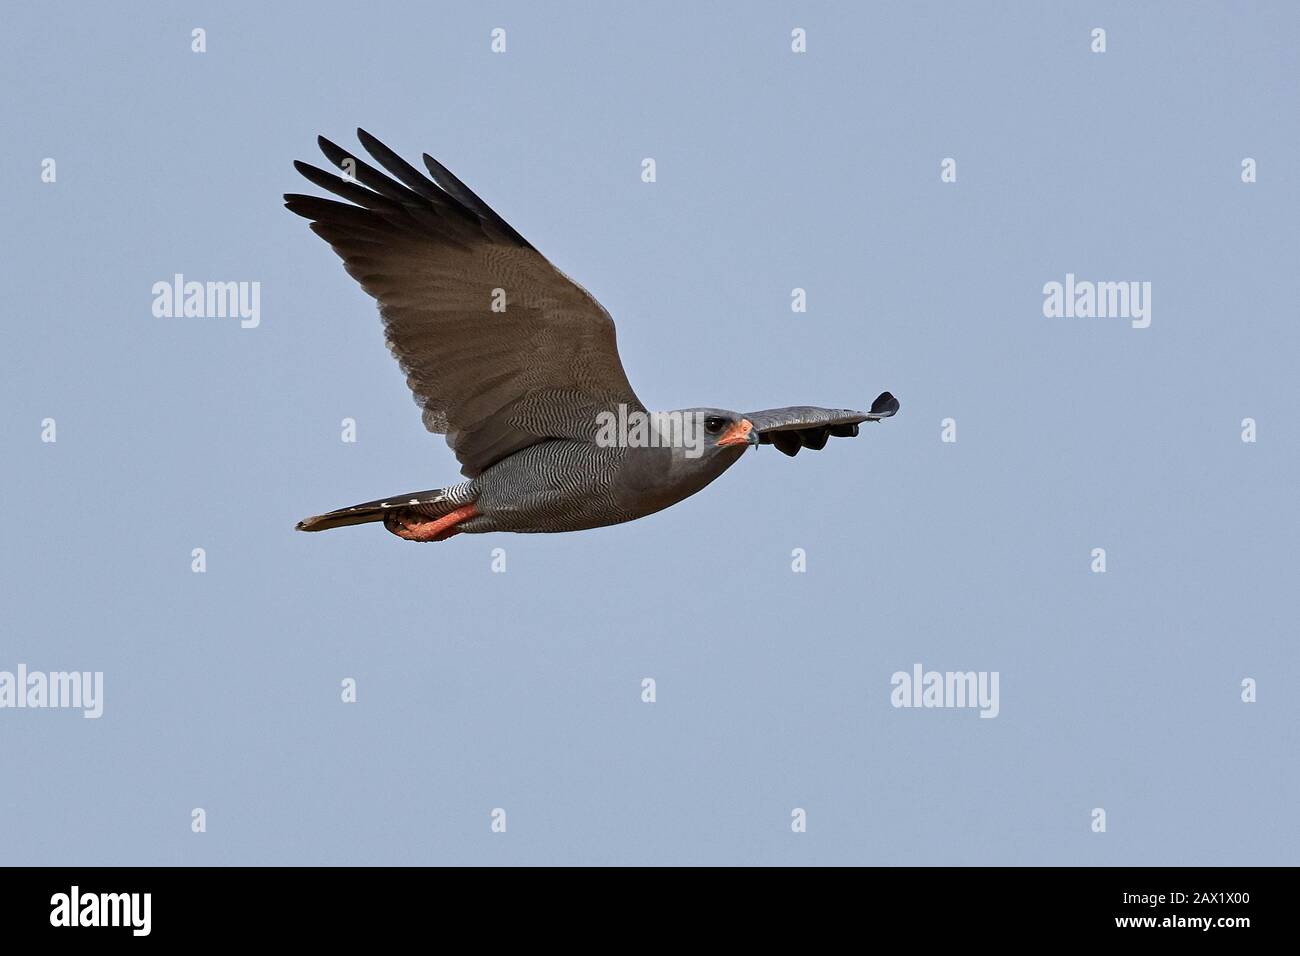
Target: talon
411,527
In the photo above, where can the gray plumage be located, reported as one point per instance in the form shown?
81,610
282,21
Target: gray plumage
514,363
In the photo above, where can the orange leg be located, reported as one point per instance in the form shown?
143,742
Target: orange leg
405,524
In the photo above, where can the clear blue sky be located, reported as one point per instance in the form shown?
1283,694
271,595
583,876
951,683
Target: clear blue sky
522,690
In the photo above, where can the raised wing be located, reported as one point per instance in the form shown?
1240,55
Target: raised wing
805,426
499,347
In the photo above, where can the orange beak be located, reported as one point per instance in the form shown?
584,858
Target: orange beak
741,433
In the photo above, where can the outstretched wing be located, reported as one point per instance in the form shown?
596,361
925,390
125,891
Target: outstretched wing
804,426
499,347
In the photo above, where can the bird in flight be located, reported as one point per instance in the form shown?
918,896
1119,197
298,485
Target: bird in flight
517,365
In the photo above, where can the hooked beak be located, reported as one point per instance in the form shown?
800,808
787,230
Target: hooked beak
741,433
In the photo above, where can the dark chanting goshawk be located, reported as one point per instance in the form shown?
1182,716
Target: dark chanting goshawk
516,364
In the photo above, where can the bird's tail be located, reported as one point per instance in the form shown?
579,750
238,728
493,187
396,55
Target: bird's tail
429,504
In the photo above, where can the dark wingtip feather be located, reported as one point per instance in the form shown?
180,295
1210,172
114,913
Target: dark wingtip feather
787,443
884,405
814,438
298,204
347,188
315,175
419,198
332,150
405,173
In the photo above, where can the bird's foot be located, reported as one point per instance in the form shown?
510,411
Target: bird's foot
407,524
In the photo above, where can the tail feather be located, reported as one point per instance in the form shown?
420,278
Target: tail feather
431,504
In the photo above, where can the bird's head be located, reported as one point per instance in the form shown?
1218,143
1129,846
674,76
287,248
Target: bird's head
685,449
729,429
710,432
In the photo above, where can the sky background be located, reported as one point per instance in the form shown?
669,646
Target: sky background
522,690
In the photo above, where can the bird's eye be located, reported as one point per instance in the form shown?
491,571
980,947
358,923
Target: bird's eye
713,424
